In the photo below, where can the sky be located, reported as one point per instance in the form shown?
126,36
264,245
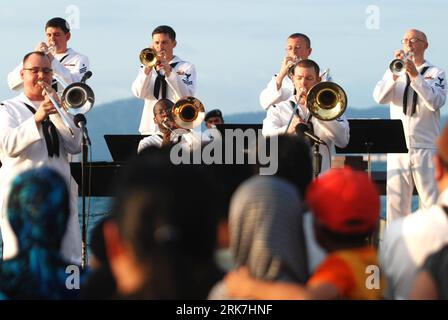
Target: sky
235,45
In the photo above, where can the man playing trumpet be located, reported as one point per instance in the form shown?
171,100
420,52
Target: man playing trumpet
278,119
171,78
34,135
67,64
415,97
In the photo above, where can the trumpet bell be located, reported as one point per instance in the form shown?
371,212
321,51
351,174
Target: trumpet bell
326,101
188,112
77,98
397,67
148,57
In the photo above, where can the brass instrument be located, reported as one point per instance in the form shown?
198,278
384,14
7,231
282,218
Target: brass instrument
76,98
397,66
188,112
148,57
326,101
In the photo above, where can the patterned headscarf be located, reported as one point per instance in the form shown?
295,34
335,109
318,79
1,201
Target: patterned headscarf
266,231
38,209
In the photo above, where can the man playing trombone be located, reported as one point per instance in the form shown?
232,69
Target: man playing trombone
35,135
294,116
169,78
168,132
67,64
415,93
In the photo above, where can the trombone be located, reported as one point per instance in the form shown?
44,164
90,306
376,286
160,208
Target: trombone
188,112
76,98
148,57
325,100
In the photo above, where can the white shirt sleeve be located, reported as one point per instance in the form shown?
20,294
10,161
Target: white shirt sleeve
431,90
81,66
337,130
72,144
15,81
270,95
143,85
16,137
273,124
383,92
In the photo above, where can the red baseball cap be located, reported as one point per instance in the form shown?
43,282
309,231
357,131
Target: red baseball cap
345,201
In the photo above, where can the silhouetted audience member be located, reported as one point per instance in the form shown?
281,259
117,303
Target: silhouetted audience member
295,165
161,240
344,218
409,240
99,282
266,234
431,283
38,210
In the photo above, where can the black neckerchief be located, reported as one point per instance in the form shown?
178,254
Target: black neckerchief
161,83
414,97
50,135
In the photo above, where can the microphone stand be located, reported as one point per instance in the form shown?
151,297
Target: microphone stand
317,160
84,161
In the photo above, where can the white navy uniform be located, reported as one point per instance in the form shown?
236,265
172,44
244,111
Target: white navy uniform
335,132
408,241
155,140
421,130
23,147
270,95
70,66
182,79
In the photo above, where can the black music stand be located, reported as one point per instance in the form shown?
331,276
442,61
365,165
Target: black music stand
375,136
122,147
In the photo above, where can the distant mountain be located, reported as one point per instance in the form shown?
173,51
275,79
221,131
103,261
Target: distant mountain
123,117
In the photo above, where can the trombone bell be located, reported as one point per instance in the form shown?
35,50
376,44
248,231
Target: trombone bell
148,57
188,112
77,98
326,101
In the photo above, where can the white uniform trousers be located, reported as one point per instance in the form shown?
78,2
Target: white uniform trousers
404,170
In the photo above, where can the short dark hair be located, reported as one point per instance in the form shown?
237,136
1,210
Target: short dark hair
307,63
303,36
157,214
39,53
166,30
58,23
213,113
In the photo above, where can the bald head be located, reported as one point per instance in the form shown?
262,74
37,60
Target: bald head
416,34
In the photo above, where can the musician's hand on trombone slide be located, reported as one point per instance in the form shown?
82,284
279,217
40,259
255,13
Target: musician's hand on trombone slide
46,107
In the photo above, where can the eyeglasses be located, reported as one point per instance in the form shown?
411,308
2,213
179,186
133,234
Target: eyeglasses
36,70
412,40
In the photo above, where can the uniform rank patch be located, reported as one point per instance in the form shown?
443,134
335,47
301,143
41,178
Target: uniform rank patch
187,80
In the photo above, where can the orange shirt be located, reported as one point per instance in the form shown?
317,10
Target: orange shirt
349,272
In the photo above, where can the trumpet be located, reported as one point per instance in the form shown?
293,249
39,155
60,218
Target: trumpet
326,101
148,57
397,66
